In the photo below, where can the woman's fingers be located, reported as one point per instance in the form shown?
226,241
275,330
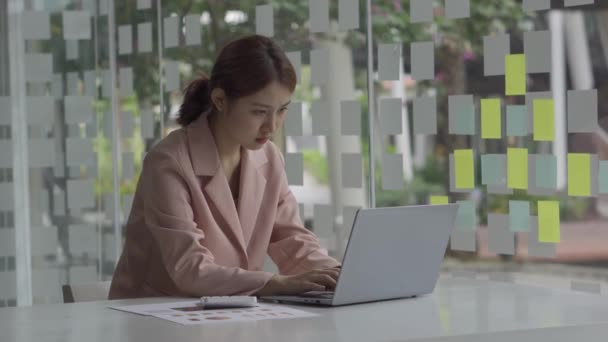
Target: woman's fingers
324,280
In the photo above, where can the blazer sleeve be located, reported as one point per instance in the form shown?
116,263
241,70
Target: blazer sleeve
169,217
293,247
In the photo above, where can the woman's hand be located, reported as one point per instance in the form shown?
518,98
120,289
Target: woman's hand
316,280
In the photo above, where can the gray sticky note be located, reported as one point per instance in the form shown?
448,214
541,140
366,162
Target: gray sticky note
103,7
78,109
81,193
144,4
172,77
91,128
352,170
83,239
106,83
294,168
319,111
461,115
584,286
293,121
76,25
6,151
126,125
36,25
392,172
389,58
171,31
519,216
71,50
323,223
319,66
264,20
57,86
423,61
144,37
319,15
456,9
603,176
421,11
348,15
79,151
536,5
537,48
40,110
517,121
147,124
6,199
500,239
350,115
108,125
463,240
44,240
390,116
38,67
539,249
193,29
41,152
530,97
493,169
295,57
495,49
545,175
125,81
90,83
5,110
466,218
128,165
73,80
570,3
582,111
452,176
125,39
425,115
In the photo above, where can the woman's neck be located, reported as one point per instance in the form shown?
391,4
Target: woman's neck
228,151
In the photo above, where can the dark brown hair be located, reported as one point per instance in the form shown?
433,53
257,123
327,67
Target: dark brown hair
243,67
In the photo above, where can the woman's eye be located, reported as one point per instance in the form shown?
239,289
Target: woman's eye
259,112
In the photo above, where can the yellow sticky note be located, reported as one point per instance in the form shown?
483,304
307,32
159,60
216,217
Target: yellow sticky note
439,200
544,120
517,168
515,74
548,221
490,119
464,169
579,174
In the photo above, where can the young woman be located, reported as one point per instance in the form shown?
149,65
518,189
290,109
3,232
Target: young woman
213,198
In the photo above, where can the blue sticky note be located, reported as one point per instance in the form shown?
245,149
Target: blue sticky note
546,171
461,115
466,218
603,176
519,216
493,169
517,121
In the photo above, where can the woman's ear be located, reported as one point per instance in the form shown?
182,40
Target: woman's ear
218,97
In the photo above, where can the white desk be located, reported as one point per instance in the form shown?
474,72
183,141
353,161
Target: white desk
459,307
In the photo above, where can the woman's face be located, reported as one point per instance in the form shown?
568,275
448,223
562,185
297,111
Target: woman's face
252,120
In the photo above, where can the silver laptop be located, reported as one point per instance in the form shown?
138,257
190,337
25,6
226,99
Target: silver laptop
392,253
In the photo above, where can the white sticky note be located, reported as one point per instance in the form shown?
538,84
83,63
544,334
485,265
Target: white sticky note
319,15
76,25
323,220
83,239
319,66
125,39
193,29
36,25
295,57
147,124
348,15
352,170
38,67
5,110
126,125
172,79
390,115
90,83
41,152
294,168
79,151
144,4
319,110
293,121
350,117
73,79
128,165
71,50
389,58
125,81
392,172
40,110
144,37
81,193
171,32
78,109
44,240
264,20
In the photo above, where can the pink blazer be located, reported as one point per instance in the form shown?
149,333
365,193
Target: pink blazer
186,237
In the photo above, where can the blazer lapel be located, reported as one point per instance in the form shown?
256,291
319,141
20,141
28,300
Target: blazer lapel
252,185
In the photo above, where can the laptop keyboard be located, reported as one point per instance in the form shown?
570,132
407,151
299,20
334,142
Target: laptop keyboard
318,294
